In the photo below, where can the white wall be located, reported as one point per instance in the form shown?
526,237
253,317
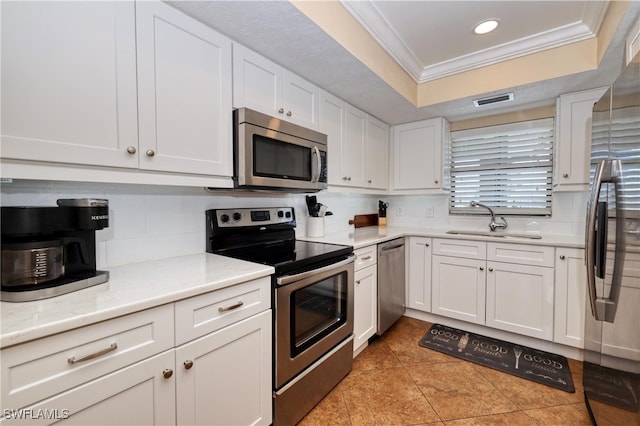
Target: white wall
153,222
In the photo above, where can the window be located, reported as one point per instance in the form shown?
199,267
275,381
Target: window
507,167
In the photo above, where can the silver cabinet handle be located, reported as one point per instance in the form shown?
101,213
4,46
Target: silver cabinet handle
132,150
562,257
369,181
426,245
112,347
358,282
150,153
281,111
167,373
565,175
436,182
482,268
490,269
231,308
288,113
366,258
188,364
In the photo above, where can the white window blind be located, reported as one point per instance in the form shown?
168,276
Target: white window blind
620,139
507,167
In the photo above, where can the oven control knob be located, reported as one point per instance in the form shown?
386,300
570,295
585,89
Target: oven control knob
237,216
288,215
224,218
280,213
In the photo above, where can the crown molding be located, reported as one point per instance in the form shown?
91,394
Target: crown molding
368,15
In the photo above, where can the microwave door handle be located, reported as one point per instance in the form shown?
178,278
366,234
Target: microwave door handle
318,165
590,237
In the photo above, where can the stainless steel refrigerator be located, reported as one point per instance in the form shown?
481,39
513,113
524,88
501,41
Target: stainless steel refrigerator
611,376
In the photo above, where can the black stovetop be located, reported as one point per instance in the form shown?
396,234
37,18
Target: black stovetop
268,237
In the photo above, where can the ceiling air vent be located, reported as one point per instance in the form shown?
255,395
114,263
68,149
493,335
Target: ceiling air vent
505,97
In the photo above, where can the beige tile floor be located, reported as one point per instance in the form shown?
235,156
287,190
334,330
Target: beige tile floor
395,381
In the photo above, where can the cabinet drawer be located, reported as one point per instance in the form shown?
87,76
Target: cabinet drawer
520,253
460,248
365,257
209,312
36,370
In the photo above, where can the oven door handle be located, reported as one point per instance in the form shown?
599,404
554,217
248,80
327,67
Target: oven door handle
288,279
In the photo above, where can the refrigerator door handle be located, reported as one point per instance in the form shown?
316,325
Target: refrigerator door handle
604,309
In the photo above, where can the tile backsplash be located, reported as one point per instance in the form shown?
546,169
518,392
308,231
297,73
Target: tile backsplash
150,222
154,222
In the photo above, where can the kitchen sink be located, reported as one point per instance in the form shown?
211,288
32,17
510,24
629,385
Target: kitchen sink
496,234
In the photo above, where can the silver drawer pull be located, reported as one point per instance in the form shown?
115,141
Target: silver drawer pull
231,308
111,348
366,258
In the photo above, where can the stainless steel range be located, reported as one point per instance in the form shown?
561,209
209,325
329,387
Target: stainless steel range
312,299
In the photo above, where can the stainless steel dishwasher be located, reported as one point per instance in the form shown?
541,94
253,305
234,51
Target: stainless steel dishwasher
391,283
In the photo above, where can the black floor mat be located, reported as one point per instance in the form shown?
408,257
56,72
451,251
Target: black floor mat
532,364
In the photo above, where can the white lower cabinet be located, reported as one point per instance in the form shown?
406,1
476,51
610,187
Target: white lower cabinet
126,370
520,299
570,297
365,296
504,286
224,378
419,284
459,288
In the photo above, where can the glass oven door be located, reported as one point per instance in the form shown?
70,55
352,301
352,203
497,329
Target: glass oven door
313,313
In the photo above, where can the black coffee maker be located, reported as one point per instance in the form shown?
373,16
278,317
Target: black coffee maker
48,251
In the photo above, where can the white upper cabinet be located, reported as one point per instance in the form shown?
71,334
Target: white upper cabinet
573,139
377,158
118,84
358,145
418,155
264,86
69,82
184,92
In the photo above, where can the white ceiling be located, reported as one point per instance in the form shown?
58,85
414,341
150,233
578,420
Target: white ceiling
428,39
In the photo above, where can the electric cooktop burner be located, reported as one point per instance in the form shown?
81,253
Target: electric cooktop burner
267,236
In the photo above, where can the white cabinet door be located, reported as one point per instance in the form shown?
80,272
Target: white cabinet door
257,82
184,78
377,154
570,295
353,147
458,288
69,82
418,154
419,289
136,395
224,378
573,138
520,299
301,101
365,305
332,116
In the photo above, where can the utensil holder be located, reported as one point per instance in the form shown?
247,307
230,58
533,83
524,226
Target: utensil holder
315,227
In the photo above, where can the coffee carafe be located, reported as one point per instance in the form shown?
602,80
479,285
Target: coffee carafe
48,251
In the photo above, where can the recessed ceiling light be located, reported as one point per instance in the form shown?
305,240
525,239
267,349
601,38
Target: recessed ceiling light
486,26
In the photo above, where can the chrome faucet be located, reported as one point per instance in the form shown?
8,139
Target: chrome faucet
493,225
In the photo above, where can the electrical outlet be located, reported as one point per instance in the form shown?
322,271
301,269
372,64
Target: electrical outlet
399,211
428,212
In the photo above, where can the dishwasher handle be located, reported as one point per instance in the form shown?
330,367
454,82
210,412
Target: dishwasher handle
391,249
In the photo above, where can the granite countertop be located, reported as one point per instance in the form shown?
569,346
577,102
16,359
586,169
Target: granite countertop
362,237
130,288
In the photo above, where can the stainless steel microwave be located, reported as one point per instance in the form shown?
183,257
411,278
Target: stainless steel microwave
272,154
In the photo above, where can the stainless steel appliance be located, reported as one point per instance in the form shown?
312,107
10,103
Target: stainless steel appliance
312,302
611,375
272,154
48,251
391,283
